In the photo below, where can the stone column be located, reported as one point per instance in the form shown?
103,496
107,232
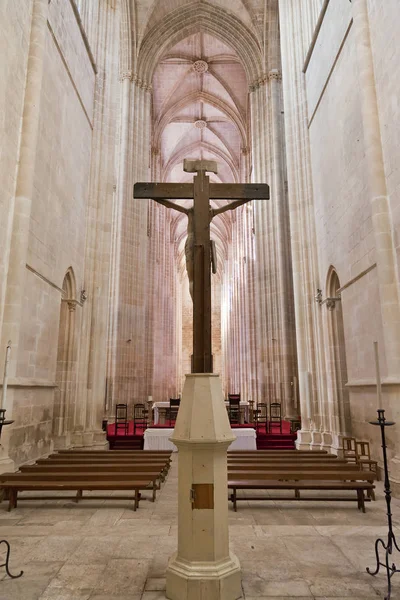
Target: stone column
93,348
15,287
203,568
297,22
283,254
273,286
129,348
121,193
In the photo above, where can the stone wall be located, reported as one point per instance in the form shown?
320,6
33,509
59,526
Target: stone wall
385,23
346,237
15,18
58,213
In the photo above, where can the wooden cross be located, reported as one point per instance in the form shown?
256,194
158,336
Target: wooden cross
200,216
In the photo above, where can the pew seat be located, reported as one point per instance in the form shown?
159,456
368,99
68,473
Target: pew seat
303,480
16,485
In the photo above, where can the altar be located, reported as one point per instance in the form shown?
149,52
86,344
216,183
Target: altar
244,406
157,438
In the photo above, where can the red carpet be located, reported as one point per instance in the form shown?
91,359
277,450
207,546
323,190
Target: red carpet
276,440
128,441
265,441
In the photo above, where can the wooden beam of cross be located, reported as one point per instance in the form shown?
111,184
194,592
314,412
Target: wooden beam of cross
198,245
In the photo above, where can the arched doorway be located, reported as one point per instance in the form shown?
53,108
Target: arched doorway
66,363
340,412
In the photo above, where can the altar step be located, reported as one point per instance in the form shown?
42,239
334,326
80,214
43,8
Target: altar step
273,441
126,442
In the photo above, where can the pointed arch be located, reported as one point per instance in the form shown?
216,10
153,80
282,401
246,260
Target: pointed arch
69,285
341,419
206,98
64,397
188,20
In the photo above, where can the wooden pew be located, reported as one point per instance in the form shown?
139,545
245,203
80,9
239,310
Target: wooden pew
138,452
143,471
143,454
82,460
91,470
17,482
281,452
270,466
161,466
303,479
293,459
106,458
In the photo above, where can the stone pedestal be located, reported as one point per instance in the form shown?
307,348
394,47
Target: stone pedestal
7,465
304,439
61,442
203,568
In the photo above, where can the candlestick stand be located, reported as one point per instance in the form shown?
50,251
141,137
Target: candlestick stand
5,564
391,543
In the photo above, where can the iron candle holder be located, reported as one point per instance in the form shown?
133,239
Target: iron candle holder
391,543
5,564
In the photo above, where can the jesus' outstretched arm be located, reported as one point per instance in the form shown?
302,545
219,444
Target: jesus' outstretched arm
230,206
172,205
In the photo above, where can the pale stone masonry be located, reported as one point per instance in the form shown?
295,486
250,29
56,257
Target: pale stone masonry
98,94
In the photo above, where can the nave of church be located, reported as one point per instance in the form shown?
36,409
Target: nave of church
98,283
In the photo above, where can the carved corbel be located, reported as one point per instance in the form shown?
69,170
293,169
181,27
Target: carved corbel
72,305
125,75
331,303
274,74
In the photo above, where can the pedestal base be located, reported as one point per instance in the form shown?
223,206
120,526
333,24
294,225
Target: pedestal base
7,465
204,581
95,439
203,568
62,442
304,439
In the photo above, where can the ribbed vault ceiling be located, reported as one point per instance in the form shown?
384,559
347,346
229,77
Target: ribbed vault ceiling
200,110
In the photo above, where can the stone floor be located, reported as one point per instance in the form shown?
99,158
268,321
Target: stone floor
102,550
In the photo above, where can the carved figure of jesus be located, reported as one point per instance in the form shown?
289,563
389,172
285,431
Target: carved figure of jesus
189,244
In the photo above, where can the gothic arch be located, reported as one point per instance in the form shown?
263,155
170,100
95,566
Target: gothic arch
208,99
188,20
340,416
64,395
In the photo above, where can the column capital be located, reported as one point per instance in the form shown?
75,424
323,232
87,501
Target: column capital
71,305
126,75
275,74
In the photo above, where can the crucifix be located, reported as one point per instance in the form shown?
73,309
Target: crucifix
199,247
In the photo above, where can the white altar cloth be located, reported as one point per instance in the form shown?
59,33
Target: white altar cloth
157,439
156,405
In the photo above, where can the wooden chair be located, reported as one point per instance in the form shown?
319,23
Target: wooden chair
173,409
275,416
121,418
234,409
252,414
261,416
349,449
364,457
140,416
